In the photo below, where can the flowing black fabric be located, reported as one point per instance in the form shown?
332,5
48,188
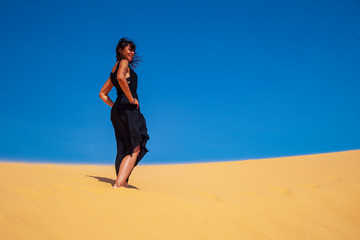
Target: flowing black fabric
128,122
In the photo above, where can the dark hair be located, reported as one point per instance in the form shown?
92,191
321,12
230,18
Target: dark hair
121,45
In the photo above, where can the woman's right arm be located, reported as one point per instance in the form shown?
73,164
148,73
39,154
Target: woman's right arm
121,77
105,91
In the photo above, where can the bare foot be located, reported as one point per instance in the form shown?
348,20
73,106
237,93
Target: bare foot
116,185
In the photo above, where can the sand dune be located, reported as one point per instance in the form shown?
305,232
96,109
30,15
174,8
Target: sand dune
303,197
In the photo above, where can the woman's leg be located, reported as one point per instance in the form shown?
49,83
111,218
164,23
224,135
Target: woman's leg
127,164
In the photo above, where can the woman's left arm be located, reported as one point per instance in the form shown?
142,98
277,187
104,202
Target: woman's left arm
105,91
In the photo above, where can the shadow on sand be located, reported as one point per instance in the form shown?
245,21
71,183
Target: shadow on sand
109,180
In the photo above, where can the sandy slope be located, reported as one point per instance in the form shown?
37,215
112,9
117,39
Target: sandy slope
302,197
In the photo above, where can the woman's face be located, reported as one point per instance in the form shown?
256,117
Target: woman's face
127,53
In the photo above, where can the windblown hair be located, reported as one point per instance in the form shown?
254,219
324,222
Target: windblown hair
121,45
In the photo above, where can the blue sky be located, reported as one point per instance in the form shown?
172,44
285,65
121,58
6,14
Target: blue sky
220,80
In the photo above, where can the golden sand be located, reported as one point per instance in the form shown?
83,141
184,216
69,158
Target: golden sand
302,197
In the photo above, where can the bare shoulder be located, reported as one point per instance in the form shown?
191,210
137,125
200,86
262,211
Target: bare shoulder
124,63
123,68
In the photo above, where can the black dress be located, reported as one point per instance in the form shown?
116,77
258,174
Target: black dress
128,122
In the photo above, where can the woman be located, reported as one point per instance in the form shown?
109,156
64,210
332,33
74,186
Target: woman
128,122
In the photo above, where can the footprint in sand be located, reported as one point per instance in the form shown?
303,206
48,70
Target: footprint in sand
281,190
